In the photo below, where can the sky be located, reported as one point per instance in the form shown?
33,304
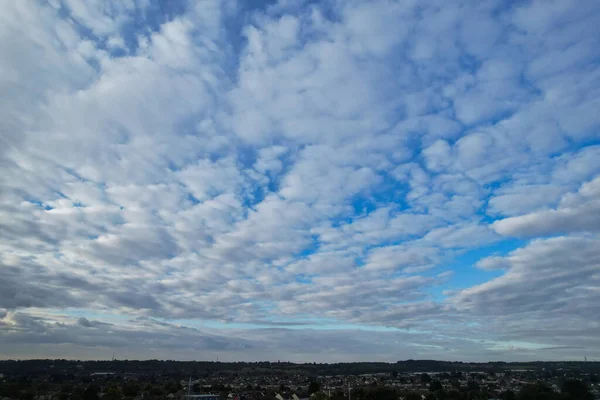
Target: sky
300,180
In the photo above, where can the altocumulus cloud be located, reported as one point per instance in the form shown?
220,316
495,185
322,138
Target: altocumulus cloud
319,181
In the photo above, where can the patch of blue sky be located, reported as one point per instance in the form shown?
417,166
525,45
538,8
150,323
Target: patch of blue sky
173,167
501,345
389,191
146,20
310,249
465,273
190,197
86,33
297,324
39,203
254,196
75,175
469,63
579,145
141,20
304,279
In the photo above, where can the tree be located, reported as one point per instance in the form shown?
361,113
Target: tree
90,393
455,384
318,396
112,393
537,391
172,386
575,389
131,389
26,395
457,374
66,389
412,396
472,386
313,387
425,378
508,395
381,393
435,386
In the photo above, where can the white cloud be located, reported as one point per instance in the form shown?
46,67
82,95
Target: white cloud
331,164
461,236
549,283
577,212
101,17
524,198
438,155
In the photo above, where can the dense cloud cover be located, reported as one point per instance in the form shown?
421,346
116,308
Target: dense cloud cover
308,181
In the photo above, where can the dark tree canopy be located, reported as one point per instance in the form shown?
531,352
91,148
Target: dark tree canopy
537,391
435,386
313,387
576,389
90,393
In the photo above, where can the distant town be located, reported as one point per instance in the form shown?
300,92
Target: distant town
408,380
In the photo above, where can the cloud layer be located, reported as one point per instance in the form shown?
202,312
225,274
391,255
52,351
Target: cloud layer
403,179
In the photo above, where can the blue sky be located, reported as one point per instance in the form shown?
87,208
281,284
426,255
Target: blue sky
303,181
